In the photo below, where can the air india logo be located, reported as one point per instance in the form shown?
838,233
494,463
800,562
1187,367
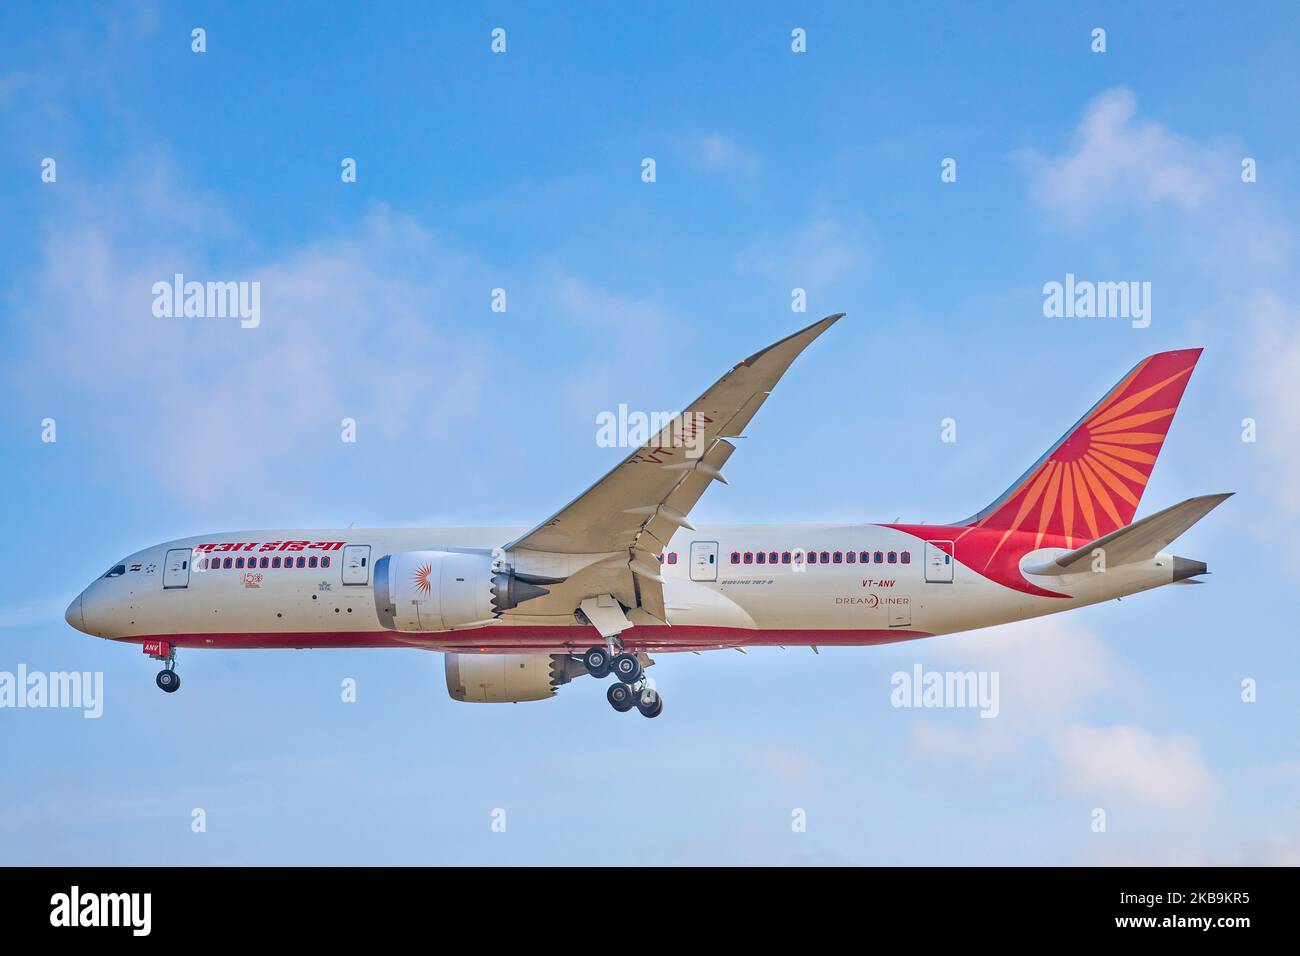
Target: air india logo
1091,484
422,578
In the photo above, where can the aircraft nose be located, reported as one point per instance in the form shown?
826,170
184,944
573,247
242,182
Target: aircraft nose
74,616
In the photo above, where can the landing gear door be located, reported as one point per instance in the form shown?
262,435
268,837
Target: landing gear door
356,564
704,560
176,569
938,562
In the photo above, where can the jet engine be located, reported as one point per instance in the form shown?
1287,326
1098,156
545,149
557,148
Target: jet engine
444,590
508,678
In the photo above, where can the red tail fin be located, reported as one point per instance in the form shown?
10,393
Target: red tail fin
1090,482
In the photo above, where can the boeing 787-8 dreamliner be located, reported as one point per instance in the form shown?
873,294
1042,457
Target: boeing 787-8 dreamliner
621,572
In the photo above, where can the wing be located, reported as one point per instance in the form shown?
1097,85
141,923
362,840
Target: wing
638,505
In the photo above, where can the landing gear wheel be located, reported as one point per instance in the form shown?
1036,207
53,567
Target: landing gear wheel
649,703
168,680
620,697
627,668
596,661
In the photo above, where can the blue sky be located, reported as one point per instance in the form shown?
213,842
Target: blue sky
521,171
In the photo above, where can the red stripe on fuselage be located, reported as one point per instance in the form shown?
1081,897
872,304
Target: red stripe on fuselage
517,639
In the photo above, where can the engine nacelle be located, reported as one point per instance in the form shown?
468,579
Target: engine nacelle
508,678
426,591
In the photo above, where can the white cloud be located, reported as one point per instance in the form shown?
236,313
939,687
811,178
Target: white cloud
32,613
820,254
1129,763
1225,236
981,745
385,322
1051,671
214,390
1124,165
1049,667
622,331
1271,380
1117,159
716,153
600,310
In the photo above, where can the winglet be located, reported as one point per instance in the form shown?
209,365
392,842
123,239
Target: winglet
808,333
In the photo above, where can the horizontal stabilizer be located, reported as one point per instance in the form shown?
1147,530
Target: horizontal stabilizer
1136,542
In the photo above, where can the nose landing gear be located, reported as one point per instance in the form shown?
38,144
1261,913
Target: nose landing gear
167,680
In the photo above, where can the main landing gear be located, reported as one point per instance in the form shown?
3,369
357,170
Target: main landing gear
596,661
167,680
631,689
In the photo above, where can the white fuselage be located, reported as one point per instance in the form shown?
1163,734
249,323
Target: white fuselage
717,592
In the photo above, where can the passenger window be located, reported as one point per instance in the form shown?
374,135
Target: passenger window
749,557
878,557
865,557
762,558
850,556
812,557
893,557
226,563
311,562
265,562
302,562
672,557
324,562
275,562
735,557
785,557
906,557
838,557
239,562
826,557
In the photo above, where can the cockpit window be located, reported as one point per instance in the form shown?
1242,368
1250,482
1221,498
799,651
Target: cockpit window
116,571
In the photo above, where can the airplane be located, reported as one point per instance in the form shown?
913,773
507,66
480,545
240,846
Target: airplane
621,573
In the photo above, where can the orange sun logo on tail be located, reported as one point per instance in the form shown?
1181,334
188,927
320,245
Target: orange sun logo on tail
1090,483
422,578
1087,485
